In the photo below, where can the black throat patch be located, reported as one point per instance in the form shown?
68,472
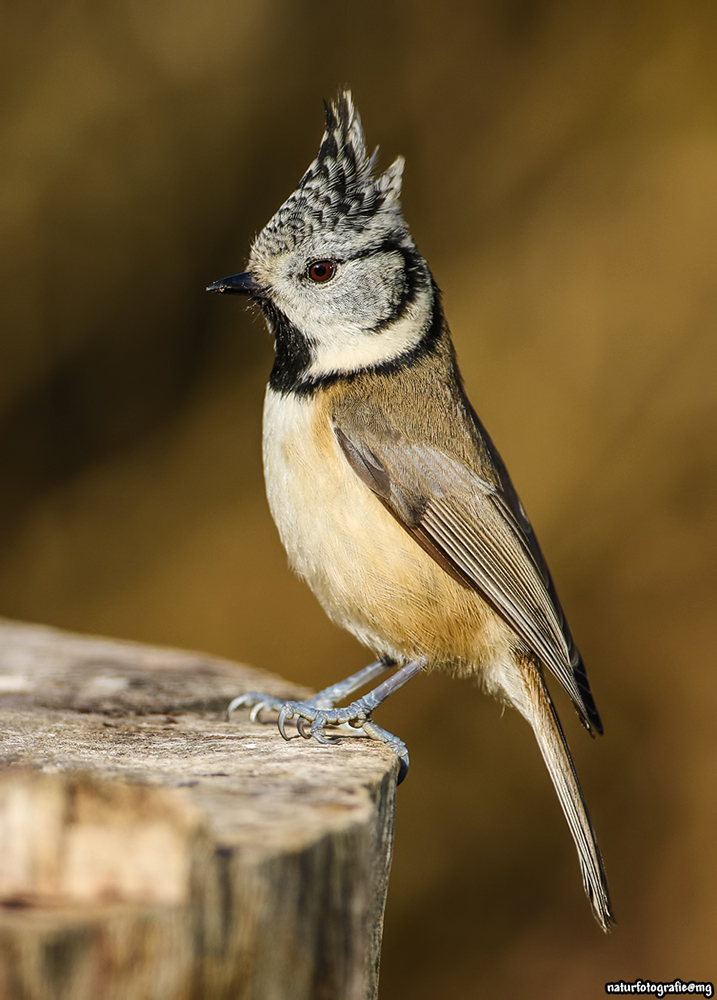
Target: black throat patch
293,355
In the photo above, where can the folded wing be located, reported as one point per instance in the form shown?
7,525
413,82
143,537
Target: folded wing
468,526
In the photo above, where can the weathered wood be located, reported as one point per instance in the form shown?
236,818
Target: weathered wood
149,848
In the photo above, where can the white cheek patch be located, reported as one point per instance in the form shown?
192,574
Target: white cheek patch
347,348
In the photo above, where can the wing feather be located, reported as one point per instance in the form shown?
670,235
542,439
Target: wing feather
466,524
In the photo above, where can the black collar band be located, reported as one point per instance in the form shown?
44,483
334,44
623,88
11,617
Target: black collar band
294,354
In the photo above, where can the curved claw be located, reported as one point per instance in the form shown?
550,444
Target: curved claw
403,763
319,734
301,726
236,703
255,701
375,731
257,710
286,713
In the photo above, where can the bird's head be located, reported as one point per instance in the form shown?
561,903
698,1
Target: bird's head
337,263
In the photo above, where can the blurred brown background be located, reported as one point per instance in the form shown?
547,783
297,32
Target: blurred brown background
562,182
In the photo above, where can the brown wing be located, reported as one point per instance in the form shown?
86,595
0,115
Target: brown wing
466,524
515,508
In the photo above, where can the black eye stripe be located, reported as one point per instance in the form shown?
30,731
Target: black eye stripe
389,245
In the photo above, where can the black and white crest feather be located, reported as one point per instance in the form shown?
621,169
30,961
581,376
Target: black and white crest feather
338,191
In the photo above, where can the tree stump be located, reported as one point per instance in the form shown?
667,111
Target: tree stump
150,848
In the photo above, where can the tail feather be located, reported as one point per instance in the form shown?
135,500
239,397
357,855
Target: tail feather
554,748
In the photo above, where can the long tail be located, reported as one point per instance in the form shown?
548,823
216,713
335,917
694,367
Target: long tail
553,746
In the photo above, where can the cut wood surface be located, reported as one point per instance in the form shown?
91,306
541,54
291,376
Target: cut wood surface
151,848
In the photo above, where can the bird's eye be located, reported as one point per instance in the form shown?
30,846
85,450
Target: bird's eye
322,271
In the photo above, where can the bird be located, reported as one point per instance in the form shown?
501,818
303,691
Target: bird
389,496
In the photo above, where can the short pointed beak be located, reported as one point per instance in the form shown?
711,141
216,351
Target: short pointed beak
236,284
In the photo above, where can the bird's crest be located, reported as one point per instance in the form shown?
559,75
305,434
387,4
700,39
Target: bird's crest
338,190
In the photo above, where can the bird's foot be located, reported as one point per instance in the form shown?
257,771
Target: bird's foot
312,718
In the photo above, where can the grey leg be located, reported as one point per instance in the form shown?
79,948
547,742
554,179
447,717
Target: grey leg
319,710
324,699
337,692
322,703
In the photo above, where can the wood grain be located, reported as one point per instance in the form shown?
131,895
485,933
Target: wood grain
149,848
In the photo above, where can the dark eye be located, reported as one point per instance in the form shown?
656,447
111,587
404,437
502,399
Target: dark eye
322,270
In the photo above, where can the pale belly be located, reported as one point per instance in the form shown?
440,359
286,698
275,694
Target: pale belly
367,572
